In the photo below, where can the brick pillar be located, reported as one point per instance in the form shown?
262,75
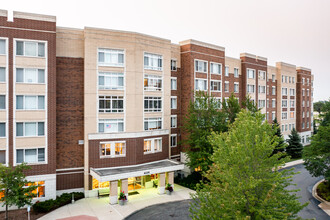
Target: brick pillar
124,187
161,183
113,195
170,178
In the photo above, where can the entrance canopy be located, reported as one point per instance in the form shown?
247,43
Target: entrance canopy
124,172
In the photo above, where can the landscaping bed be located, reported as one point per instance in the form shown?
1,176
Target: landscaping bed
323,190
21,214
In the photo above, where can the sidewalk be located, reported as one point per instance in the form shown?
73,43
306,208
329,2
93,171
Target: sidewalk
101,208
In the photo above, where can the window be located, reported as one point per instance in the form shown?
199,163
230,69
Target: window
250,88
236,87
292,102
286,127
267,116
226,71
293,126
2,46
216,68
267,90
303,103
292,93
290,82
110,57
200,66
153,61
307,114
293,79
284,115
215,86
282,79
262,75
201,84
273,103
226,86
152,83
307,92
40,190
173,102
261,103
152,123
251,73
307,81
111,104
2,74
30,102
218,103
291,114
2,129
113,149
174,140
303,81
111,125
307,124
2,102
30,129
286,79
30,75
174,121
112,81
152,104
303,114
236,74
303,125
273,116
284,91
283,128
2,158
173,65
273,90
262,89
284,103
267,103
152,145
307,103
30,48
36,155
273,78
173,83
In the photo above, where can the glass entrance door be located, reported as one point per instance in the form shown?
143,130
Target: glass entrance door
134,183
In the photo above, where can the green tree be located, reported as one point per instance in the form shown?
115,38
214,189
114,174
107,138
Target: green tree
245,181
17,191
280,147
317,155
231,107
294,148
203,117
250,105
318,106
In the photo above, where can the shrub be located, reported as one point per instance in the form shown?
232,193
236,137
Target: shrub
190,181
323,190
51,204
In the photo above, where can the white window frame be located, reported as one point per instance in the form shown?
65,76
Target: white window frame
110,75
175,119
211,69
111,99
5,44
198,62
226,70
153,57
111,52
112,149
236,70
37,76
174,79
37,103
176,66
286,103
201,79
216,81
236,84
273,90
37,153
224,87
110,121
37,48
286,91
284,114
273,115
153,99
153,78
153,119
176,102
273,103
248,73
24,129
152,141
250,86
176,140
260,90
262,75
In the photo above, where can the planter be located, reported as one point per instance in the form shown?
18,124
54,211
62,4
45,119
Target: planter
121,202
168,192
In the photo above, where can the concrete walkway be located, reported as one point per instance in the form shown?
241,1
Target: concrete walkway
101,208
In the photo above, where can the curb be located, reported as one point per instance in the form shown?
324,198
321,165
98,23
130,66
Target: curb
324,205
292,163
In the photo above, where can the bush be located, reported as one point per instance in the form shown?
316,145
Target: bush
51,204
190,181
323,190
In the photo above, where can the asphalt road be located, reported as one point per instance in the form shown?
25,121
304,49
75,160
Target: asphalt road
180,210
305,183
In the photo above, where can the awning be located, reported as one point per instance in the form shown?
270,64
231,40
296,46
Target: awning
124,172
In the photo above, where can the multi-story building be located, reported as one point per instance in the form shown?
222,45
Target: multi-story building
95,108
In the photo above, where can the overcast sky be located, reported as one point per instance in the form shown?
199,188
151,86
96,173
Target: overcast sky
292,31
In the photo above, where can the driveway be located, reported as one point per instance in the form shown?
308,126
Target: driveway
172,210
305,183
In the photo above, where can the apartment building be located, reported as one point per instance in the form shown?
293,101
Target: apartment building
93,108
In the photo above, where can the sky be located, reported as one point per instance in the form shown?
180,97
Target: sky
291,31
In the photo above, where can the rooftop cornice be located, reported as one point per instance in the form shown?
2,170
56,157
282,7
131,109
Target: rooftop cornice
202,44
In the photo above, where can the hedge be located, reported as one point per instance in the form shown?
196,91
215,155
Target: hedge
51,204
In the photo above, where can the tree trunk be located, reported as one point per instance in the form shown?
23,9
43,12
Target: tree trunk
6,212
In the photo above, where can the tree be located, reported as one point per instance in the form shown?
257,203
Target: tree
318,106
245,181
317,155
280,147
17,191
294,148
203,117
250,105
231,107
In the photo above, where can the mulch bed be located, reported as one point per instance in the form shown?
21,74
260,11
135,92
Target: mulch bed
21,214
